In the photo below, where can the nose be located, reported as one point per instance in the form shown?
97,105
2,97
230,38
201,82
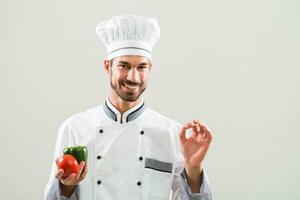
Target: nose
133,75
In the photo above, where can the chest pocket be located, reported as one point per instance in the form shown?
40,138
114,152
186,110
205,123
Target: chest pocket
157,180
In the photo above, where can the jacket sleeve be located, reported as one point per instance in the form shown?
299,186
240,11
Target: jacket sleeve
182,191
52,189
186,193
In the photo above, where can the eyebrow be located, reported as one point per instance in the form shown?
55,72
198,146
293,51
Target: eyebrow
124,62
127,63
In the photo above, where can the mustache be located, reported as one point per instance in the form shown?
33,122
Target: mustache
131,83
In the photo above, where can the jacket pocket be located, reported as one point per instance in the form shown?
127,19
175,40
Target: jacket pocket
157,180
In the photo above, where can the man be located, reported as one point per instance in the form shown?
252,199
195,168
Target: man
134,152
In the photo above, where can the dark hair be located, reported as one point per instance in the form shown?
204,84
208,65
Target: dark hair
111,61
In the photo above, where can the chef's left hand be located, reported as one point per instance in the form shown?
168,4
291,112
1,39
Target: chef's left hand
195,147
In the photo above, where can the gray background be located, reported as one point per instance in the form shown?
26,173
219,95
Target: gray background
232,64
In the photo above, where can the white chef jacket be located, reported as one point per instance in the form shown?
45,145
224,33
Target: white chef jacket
138,159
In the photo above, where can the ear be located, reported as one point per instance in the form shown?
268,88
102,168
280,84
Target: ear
150,66
107,66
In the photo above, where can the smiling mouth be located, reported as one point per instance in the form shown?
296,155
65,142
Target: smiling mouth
130,86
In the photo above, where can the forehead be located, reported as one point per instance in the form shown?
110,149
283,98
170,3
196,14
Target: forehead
134,60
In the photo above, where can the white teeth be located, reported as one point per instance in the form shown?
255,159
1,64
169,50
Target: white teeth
131,87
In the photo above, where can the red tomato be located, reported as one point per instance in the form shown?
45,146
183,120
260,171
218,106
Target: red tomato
69,164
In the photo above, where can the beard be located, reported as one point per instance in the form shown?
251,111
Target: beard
127,96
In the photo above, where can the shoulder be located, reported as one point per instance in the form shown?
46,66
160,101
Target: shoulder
90,115
160,120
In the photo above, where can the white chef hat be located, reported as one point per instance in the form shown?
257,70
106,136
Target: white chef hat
128,35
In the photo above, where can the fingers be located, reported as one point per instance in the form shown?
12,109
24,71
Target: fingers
192,125
59,173
200,130
207,135
69,180
182,135
82,176
189,125
81,167
196,128
202,127
72,179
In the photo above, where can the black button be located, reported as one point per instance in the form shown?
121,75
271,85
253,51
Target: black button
142,132
99,157
101,131
99,182
140,158
139,183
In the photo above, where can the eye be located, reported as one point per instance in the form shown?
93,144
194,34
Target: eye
142,67
123,66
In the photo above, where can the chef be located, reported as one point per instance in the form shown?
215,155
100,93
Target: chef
134,153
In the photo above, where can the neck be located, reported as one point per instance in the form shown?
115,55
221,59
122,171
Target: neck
121,105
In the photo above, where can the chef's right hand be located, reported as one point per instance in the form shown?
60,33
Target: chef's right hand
73,179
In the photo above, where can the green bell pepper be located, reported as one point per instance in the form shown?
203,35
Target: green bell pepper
79,152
